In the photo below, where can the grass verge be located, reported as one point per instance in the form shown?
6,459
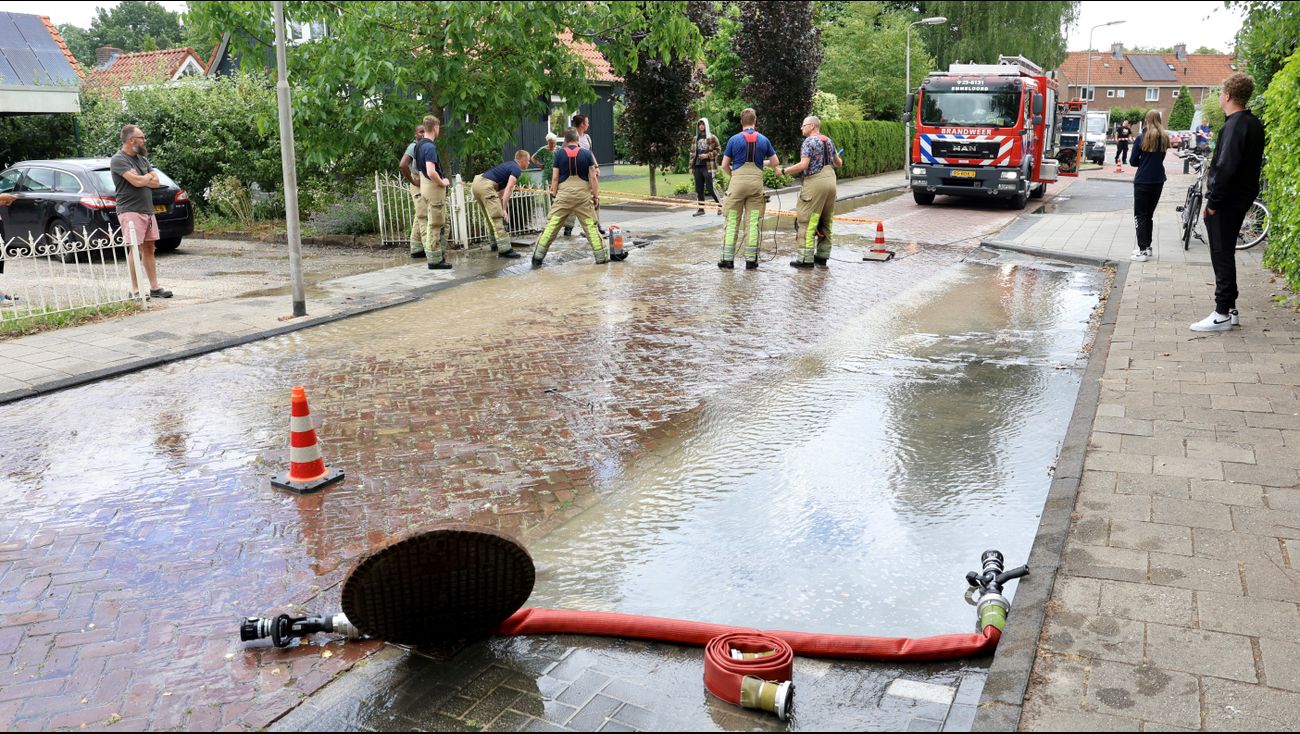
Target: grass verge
11,327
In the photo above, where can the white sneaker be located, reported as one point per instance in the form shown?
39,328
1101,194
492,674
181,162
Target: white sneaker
1214,322
1141,256
1236,318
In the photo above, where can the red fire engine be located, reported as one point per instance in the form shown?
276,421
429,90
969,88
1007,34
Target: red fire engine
990,130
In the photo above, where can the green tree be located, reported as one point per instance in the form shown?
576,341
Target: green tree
135,26
724,75
486,64
868,30
656,121
1282,171
1207,50
1212,112
1180,117
781,49
983,30
1267,37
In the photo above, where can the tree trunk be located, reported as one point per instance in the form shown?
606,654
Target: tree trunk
652,181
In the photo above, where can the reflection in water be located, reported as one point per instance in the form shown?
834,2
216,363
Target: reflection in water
860,513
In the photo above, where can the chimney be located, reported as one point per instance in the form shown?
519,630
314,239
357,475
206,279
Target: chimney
1180,50
104,55
1117,50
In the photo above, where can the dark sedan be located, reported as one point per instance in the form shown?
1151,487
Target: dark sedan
71,194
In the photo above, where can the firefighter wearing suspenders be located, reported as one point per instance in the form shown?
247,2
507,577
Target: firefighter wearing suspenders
747,150
573,184
433,189
817,163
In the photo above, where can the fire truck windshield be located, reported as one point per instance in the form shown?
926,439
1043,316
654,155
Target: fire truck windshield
970,108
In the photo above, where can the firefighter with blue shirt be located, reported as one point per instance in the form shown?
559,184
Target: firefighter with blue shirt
576,191
747,150
433,189
492,189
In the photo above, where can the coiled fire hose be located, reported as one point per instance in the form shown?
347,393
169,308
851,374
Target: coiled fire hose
456,582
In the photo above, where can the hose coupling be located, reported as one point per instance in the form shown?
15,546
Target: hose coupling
773,696
992,610
740,655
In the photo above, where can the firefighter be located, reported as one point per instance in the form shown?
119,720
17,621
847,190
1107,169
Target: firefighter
817,163
492,189
420,223
433,189
576,191
749,150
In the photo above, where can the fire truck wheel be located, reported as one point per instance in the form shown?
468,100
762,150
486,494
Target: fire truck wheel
1018,201
924,198
1038,191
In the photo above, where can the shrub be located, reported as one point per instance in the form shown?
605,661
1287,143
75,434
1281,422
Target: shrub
682,187
773,181
353,215
720,182
268,206
1282,171
230,198
870,147
1180,117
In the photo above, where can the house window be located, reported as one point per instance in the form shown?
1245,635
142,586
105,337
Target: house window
1110,94
1119,92
1175,94
559,117
1089,94
1153,94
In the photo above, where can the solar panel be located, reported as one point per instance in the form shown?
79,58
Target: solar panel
30,55
1151,68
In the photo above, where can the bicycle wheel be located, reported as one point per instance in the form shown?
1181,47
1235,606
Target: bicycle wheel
1254,228
1191,212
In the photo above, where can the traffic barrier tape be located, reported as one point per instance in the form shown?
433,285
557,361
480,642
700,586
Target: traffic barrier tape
672,203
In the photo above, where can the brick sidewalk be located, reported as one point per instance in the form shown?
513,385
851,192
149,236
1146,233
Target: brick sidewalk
1176,605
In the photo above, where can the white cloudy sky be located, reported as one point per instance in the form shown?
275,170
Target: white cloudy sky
1194,22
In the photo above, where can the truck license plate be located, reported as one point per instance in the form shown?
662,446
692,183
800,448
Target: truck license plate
962,174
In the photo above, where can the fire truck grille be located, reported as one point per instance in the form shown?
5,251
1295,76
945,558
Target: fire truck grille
970,149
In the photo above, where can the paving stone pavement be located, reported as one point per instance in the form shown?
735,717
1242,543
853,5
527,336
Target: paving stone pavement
1177,605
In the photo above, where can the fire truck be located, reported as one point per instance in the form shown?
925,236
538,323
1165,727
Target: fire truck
991,131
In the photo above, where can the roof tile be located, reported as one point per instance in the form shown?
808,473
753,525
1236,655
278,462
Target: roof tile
145,67
1197,70
63,46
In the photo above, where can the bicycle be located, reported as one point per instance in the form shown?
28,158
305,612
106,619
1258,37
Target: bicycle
1191,208
1254,228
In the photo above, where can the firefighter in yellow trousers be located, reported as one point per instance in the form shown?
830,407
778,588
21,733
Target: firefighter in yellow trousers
492,190
576,191
817,163
742,210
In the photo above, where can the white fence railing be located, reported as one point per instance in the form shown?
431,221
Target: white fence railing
69,272
467,223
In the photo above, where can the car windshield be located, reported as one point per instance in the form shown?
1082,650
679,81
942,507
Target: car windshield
104,179
970,109
1096,124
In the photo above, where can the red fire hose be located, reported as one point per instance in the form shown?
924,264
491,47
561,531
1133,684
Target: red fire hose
723,674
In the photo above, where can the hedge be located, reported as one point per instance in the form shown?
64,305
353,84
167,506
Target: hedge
870,146
1282,171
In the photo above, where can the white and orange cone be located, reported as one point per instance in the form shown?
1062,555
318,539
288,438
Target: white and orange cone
879,253
307,471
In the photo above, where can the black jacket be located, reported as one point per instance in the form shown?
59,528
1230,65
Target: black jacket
1238,158
1151,166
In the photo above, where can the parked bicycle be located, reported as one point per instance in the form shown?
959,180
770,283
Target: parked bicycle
1254,228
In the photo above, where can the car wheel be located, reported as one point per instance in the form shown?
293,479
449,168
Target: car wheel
167,245
59,229
924,198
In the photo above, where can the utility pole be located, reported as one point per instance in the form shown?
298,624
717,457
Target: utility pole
907,83
289,166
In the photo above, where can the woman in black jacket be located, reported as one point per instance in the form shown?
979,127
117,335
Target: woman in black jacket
1149,159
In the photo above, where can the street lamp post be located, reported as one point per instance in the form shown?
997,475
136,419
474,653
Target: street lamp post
907,83
1088,85
289,166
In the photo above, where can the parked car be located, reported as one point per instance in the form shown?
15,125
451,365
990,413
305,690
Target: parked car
1182,138
65,196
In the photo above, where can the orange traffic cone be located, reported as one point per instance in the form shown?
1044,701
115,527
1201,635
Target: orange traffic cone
880,234
307,471
879,253
1119,167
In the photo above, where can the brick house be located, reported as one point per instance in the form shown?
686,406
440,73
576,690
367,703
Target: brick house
115,70
1152,81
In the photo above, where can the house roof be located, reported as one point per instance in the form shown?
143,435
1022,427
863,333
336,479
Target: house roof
63,46
37,73
145,67
1145,70
598,67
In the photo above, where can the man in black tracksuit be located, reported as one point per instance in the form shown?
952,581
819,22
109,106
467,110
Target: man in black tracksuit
1233,184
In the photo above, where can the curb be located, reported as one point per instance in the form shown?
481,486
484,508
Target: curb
1002,700
1047,254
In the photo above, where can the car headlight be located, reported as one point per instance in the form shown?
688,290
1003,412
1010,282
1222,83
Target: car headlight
1010,175
918,171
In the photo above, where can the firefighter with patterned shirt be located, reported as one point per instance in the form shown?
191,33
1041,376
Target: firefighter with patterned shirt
817,163
576,191
748,150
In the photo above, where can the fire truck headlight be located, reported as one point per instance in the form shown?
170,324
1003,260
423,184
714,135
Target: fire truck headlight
918,171
1010,175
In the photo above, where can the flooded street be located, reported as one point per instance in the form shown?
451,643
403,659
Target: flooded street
825,450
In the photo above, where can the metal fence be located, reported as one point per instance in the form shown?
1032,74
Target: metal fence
51,275
467,222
